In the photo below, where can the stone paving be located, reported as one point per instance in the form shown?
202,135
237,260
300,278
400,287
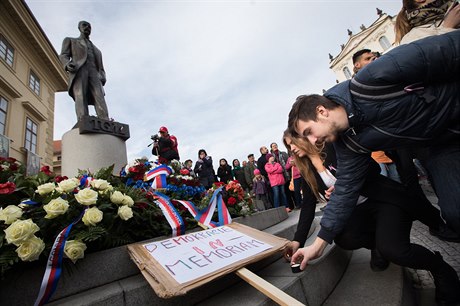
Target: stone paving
450,251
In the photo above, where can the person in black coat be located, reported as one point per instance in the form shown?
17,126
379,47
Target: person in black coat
204,169
224,172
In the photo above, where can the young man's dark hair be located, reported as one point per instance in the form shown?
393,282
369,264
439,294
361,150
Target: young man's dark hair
359,53
304,108
250,155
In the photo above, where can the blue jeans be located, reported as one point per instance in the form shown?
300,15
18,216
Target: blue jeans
277,191
443,165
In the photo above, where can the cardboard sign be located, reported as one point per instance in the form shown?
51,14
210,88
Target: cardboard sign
176,265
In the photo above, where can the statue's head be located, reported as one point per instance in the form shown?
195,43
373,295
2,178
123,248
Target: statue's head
84,27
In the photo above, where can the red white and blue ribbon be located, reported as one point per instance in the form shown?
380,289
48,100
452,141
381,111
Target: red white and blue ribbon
222,210
53,266
159,181
85,181
161,169
205,216
171,214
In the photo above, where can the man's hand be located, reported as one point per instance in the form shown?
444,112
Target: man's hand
290,249
304,255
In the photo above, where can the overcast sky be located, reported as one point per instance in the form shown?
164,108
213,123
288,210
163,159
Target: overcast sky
221,75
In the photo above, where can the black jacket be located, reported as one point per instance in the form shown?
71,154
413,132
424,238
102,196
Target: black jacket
225,173
385,113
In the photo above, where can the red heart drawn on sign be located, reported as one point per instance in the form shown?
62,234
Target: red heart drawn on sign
150,247
197,249
214,243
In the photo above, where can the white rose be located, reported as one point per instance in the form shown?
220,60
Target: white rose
45,188
100,184
68,185
92,216
20,231
74,250
127,200
117,197
56,207
125,212
10,213
30,249
86,196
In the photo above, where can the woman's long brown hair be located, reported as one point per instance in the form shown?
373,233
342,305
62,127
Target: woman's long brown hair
402,25
304,164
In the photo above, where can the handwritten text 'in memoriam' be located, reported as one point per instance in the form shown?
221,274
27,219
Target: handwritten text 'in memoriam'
191,256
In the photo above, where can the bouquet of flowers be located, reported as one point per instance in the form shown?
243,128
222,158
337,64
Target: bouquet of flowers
104,213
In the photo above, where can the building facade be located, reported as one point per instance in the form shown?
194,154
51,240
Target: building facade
30,75
379,37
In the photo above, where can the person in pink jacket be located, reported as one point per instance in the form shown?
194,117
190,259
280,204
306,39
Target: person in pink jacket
290,166
276,178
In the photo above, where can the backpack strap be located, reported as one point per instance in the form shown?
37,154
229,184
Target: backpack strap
383,92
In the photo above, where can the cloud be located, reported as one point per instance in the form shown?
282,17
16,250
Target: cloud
220,75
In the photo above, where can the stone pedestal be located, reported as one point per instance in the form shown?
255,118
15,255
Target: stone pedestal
91,151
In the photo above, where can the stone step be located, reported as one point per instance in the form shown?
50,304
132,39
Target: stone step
361,286
110,278
134,290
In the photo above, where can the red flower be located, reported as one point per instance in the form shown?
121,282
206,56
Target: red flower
46,170
7,188
60,178
133,169
184,172
231,201
218,184
13,167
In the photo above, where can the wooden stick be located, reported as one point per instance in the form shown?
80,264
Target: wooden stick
263,286
276,294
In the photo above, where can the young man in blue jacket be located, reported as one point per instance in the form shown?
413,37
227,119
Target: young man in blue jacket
409,97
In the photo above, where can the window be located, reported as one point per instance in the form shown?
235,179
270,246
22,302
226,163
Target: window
34,82
31,136
3,110
347,73
384,42
6,51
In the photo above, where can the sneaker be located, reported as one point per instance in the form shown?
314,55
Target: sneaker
445,233
446,282
378,263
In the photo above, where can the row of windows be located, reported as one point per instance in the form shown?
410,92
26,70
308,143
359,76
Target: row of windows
384,43
7,54
31,135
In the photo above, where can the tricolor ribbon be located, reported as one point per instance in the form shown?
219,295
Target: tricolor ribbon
161,169
85,181
159,181
171,214
53,266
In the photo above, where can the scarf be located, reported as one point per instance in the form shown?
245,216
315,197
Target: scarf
428,13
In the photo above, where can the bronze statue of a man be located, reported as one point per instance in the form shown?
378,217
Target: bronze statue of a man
83,62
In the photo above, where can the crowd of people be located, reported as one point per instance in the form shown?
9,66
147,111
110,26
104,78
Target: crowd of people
360,147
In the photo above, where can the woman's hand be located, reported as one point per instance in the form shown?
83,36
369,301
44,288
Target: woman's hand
304,255
290,249
328,192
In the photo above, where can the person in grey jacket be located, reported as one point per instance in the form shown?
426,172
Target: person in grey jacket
409,97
